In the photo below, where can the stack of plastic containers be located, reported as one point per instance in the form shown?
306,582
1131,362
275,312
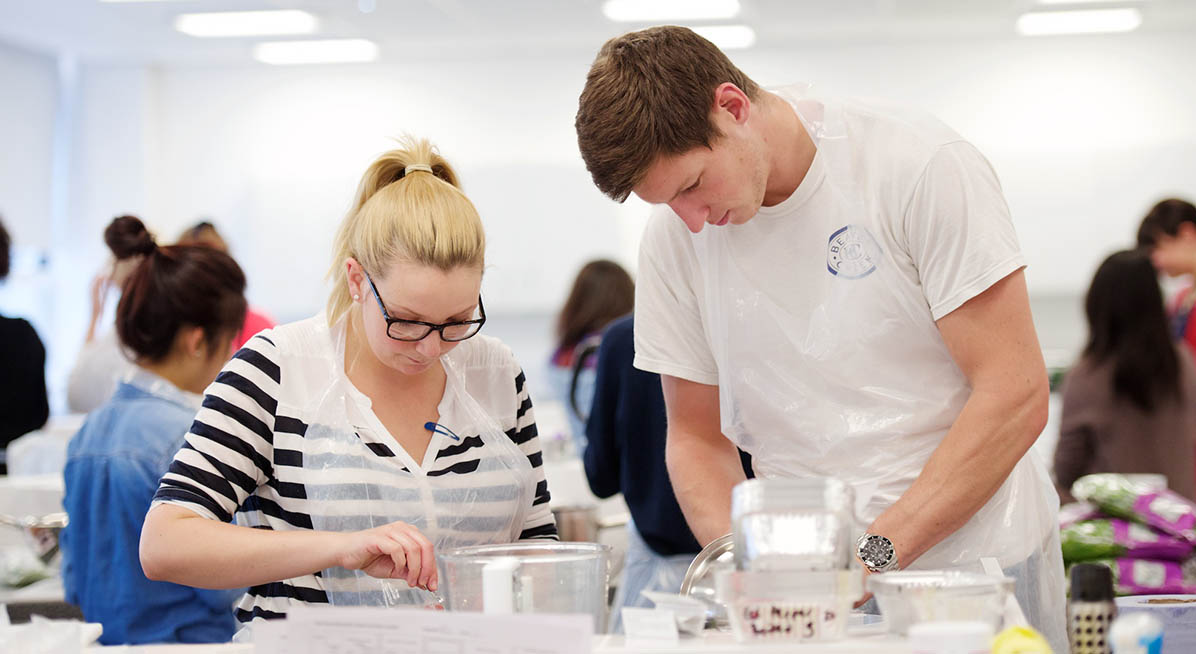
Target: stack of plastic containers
793,577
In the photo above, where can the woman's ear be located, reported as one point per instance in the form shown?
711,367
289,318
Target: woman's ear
195,346
355,278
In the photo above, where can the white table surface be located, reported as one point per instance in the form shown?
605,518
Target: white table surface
46,590
724,643
711,643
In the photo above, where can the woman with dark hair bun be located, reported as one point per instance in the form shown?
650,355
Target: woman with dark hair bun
100,363
1129,404
23,404
180,309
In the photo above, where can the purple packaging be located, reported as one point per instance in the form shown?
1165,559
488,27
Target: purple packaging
1169,512
1144,543
1148,577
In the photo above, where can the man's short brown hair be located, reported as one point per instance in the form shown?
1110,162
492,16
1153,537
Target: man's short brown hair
649,93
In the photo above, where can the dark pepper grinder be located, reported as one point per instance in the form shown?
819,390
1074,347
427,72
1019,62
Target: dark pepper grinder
1091,609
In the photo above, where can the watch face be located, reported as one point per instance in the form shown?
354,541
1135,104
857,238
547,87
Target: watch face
876,551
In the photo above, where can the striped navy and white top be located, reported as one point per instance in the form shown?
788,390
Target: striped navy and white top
260,450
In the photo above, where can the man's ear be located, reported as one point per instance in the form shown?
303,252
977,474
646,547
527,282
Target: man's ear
733,102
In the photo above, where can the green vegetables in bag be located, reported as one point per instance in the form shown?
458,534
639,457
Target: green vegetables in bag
1114,538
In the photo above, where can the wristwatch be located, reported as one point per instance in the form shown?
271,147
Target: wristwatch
877,553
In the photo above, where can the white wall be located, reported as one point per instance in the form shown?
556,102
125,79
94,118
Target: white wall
26,137
1086,133
274,157
28,97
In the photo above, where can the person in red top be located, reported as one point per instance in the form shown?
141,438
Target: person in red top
1168,234
204,233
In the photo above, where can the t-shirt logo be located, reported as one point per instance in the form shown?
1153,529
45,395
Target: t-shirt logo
852,253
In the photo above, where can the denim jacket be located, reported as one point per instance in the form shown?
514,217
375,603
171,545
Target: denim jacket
113,466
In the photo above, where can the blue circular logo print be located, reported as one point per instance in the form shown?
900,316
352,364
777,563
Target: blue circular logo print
852,252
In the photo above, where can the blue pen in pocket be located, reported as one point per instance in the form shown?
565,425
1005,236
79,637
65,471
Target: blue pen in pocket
437,428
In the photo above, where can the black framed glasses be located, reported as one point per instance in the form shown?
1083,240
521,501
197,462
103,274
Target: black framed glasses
418,330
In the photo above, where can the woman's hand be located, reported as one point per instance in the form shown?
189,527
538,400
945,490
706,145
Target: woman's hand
99,292
393,551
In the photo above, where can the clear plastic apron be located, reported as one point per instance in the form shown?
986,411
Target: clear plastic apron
846,316
483,506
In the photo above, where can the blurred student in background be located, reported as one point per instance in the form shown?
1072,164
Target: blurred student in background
602,291
101,363
1129,404
23,405
1168,233
178,314
625,454
204,233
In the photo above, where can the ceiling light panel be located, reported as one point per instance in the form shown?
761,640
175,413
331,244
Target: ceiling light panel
651,11
246,23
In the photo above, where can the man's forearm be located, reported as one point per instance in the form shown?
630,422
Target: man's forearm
987,440
703,472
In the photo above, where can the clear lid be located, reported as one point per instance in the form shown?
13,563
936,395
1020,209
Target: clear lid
814,494
904,581
526,552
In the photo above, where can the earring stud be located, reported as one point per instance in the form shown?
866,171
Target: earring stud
356,298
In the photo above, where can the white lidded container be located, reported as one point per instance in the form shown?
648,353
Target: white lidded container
793,524
810,605
907,597
527,577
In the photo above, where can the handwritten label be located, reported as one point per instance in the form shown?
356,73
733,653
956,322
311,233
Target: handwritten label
786,620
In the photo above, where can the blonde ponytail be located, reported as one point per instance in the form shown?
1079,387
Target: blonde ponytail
409,206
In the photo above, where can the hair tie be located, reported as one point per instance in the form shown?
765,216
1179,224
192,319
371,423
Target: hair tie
417,166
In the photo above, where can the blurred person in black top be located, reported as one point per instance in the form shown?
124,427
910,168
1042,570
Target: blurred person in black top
625,453
23,405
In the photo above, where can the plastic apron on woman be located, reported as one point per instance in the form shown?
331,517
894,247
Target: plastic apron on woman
480,506
860,315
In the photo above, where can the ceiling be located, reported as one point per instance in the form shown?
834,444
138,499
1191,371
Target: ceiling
142,32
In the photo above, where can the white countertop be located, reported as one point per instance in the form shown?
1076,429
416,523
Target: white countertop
713,642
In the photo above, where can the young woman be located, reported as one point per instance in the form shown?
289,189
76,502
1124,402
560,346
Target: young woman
602,292
1129,404
100,363
204,233
361,442
179,311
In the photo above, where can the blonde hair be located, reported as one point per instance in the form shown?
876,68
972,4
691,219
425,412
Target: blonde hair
402,212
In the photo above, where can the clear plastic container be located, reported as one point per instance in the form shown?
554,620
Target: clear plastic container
527,577
789,605
793,524
912,596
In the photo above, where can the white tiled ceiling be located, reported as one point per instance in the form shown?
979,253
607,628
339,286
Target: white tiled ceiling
142,32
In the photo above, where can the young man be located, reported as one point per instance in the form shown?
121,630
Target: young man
1168,232
836,288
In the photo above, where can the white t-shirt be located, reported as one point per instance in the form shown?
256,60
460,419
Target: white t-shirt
816,319
101,364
